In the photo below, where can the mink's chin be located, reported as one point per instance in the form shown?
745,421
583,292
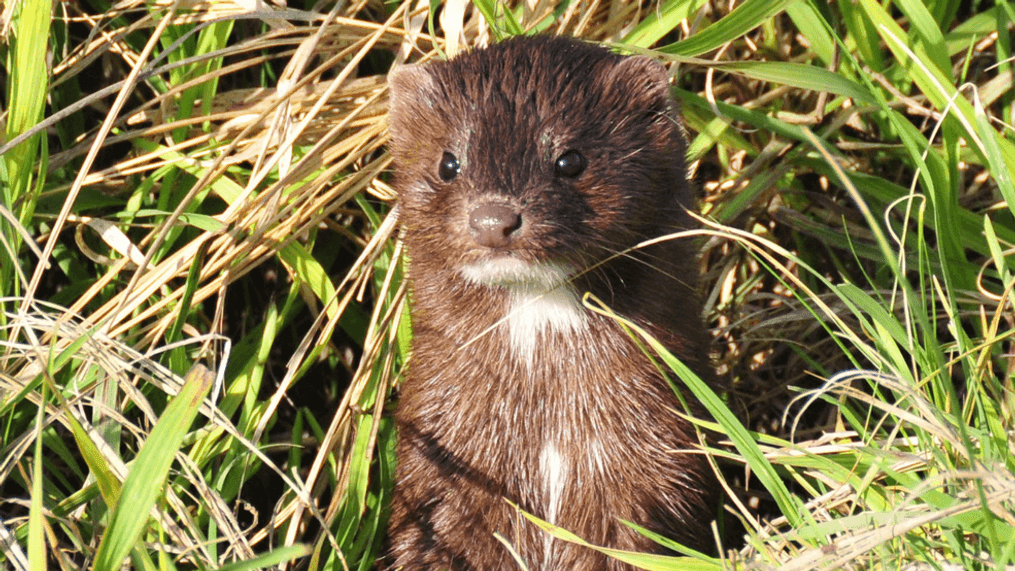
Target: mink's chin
513,272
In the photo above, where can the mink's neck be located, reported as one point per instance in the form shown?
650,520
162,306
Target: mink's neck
516,321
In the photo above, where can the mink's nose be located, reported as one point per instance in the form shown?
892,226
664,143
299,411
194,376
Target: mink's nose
493,223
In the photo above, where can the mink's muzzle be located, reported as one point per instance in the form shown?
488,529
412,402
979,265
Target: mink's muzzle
492,224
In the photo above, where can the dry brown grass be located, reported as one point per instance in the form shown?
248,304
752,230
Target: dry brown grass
185,180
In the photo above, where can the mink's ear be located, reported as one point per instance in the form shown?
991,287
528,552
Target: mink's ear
642,78
410,86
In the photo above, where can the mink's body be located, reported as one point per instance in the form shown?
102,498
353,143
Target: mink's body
521,170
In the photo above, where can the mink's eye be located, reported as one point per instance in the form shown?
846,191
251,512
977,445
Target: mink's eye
570,164
449,167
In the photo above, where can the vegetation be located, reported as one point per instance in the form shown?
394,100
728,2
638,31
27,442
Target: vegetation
202,310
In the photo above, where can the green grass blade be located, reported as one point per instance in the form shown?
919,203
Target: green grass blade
109,486
1001,168
648,561
750,116
922,24
150,470
199,221
934,83
270,559
863,34
26,84
804,77
812,26
974,28
36,524
745,18
742,440
661,21
307,268
26,87
178,356
499,19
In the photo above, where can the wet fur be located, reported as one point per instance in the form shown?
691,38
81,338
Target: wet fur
558,411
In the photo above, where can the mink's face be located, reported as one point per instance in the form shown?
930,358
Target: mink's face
529,162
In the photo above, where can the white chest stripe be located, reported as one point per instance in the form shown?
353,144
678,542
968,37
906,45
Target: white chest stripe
542,300
534,312
554,472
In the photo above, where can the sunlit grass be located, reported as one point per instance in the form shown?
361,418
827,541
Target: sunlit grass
202,184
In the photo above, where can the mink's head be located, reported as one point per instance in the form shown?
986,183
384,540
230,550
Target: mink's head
535,158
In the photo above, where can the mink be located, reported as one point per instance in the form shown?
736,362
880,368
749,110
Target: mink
525,173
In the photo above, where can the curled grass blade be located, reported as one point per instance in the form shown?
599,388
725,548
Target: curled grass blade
789,504
647,561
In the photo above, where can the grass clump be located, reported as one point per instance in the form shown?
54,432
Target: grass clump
203,311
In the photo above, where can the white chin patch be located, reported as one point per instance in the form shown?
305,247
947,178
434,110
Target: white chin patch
542,299
512,272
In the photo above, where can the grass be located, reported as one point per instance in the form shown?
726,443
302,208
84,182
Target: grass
203,311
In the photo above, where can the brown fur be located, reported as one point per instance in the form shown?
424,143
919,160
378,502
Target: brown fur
479,422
